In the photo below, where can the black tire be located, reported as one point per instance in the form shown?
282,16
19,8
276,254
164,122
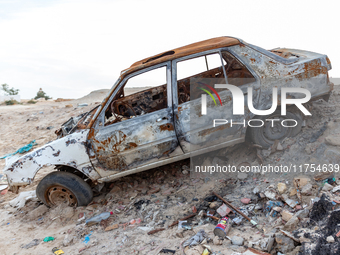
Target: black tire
266,135
63,187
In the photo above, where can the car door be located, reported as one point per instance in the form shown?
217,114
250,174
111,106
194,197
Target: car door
191,80
138,129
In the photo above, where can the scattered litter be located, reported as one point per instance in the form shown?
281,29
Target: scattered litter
196,239
48,239
21,150
34,242
98,218
87,238
57,251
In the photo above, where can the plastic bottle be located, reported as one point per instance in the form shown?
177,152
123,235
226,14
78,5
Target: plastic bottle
98,218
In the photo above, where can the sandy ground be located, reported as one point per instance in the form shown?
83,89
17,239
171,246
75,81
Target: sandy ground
156,198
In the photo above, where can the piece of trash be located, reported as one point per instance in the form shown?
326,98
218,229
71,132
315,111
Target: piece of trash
223,210
112,227
168,251
3,186
98,218
33,243
196,239
4,192
222,227
87,238
21,200
206,252
234,208
57,251
83,105
48,239
237,220
21,150
180,224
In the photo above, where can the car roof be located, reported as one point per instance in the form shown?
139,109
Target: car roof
193,48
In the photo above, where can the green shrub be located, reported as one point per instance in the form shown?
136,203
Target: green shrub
31,101
11,102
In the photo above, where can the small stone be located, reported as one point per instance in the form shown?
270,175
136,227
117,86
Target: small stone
214,205
327,187
279,147
330,239
333,140
256,190
286,215
281,187
292,224
307,189
68,240
302,181
237,240
292,192
242,176
245,200
277,208
37,212
217,241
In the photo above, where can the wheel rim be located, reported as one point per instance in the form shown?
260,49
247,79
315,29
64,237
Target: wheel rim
57,195
271,132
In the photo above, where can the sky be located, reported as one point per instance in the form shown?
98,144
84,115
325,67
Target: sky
70,48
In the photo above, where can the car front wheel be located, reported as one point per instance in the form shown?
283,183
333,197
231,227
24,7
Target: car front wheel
62,187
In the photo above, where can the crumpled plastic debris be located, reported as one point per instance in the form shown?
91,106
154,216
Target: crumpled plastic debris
21,200
23,149
196,239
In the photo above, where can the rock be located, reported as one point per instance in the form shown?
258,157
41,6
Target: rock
256,190
333,140
302,181
302,214
307,189
217,241
67,212
286,215
242,176
195,250
270,194
292,192
279,147
281,187
245,200
68,240
270,243
37,212
330,239
284,243
327,187
291,202
214,205
237,240
277,208
292,224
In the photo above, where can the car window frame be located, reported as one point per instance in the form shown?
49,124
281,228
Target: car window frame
122,82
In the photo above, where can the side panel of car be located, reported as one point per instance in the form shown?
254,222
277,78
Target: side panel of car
195,131
135,141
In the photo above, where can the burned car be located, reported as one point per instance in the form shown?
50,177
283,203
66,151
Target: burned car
161,122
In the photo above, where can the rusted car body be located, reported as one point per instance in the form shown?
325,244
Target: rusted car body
132,133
